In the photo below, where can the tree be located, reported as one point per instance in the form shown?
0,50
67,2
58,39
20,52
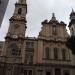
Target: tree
71,43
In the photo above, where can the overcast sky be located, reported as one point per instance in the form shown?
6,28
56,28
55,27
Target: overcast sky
39,10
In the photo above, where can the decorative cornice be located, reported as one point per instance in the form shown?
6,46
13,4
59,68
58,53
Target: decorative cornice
54,41
46,59
44,65
11,38
13,18
52,22
20,4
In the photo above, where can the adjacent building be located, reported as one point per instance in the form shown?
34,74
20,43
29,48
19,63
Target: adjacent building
1,46
3,6
45,55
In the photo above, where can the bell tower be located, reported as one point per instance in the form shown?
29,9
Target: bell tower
72,23
14,40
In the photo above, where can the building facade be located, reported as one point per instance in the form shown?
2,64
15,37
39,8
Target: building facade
3,6
45,55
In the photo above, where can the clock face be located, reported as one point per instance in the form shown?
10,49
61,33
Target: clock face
15,36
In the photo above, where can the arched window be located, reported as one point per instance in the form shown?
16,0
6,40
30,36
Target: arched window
15,50
47,52
55,53
20,11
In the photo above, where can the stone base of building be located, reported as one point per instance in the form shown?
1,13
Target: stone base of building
37,69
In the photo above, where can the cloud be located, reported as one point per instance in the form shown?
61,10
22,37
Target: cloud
38,10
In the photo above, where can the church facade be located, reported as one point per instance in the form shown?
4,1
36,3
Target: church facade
45,55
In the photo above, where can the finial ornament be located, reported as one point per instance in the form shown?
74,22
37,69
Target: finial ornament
53,17
53,14
72,10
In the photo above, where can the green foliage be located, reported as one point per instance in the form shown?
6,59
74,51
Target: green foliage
71,44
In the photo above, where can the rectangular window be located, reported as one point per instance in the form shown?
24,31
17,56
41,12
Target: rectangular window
0,46
28,58
63,54
0,52
30,72
29,44
40,72
55,53
47,53
66,72
25,72
57,71
31,59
